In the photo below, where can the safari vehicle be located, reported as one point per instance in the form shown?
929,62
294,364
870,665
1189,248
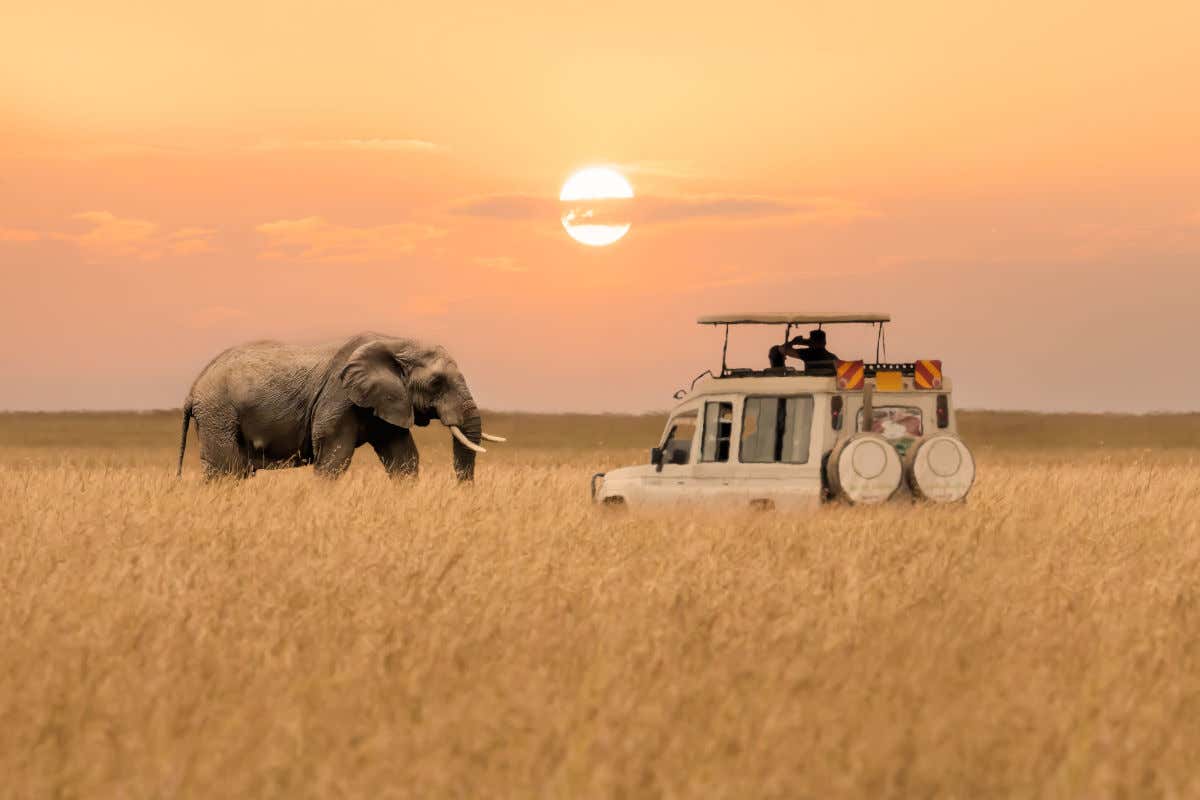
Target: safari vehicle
855,431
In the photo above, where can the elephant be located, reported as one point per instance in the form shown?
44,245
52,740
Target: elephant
268,405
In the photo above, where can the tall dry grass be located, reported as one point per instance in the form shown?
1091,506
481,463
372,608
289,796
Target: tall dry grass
289,637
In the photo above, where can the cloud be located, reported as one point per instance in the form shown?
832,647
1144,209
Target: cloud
19,235
190,241
678,209
509,207
367,145
109,236
664,209
500,263
114,236
317,240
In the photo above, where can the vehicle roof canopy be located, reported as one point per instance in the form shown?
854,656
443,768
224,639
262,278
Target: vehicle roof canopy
793,318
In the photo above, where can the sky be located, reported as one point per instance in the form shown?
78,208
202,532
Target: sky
1018,184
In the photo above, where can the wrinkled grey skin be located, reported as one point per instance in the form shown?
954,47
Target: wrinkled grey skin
268,405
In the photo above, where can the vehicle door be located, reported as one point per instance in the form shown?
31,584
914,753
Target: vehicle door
779,448
714,471
673,479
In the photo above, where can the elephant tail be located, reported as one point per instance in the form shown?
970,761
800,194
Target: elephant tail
187,420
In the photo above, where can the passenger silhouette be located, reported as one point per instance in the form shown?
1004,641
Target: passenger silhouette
814,354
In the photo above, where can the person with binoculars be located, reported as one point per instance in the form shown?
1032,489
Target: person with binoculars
814,354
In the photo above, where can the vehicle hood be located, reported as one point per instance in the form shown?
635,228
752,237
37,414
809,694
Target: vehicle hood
626,473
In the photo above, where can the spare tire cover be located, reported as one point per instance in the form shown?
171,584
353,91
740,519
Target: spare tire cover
940,468
864,469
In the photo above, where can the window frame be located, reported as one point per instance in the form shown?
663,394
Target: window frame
779,433
717,439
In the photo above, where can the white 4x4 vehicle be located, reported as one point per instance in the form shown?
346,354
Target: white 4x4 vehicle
856,431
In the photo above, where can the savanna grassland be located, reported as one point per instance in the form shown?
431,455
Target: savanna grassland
286,636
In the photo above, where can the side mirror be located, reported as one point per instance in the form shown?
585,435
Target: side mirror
656,456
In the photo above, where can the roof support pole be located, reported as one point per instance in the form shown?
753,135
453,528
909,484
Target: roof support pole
725,349
878,339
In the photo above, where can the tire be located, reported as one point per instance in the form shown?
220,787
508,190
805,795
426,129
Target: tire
864,469
940,468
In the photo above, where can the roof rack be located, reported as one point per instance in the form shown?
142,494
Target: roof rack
794,318
790,318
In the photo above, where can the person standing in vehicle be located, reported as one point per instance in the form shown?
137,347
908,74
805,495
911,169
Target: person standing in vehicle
814,354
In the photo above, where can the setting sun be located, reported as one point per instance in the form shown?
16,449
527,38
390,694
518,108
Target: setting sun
580,220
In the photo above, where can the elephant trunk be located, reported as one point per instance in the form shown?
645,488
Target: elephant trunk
464,457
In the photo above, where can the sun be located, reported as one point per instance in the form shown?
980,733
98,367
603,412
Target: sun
585,219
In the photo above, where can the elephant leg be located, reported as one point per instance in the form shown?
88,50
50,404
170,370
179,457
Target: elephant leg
398,452
221,454
334,448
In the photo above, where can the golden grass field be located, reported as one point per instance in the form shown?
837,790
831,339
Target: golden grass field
290,637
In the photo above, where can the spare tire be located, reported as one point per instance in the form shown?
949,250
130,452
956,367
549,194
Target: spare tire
940,468
864,469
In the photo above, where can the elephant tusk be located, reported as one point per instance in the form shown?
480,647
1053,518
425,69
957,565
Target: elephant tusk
462,438
488,437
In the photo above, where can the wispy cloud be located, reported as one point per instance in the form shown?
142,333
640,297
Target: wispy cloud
663,209
19,235
190,241
508,206
378,145
677,209
123,237
109,236
316,239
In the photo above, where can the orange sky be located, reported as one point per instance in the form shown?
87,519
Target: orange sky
1019,187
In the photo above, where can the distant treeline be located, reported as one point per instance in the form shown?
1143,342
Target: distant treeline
982,429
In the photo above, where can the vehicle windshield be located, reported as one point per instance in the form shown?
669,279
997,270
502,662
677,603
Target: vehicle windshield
677,447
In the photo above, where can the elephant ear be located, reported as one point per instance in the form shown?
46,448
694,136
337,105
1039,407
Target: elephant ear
374,378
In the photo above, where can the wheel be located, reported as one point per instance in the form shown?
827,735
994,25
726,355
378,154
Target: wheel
940,468
864,469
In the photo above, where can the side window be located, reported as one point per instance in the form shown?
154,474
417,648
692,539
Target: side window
718,430
776,429
677,449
